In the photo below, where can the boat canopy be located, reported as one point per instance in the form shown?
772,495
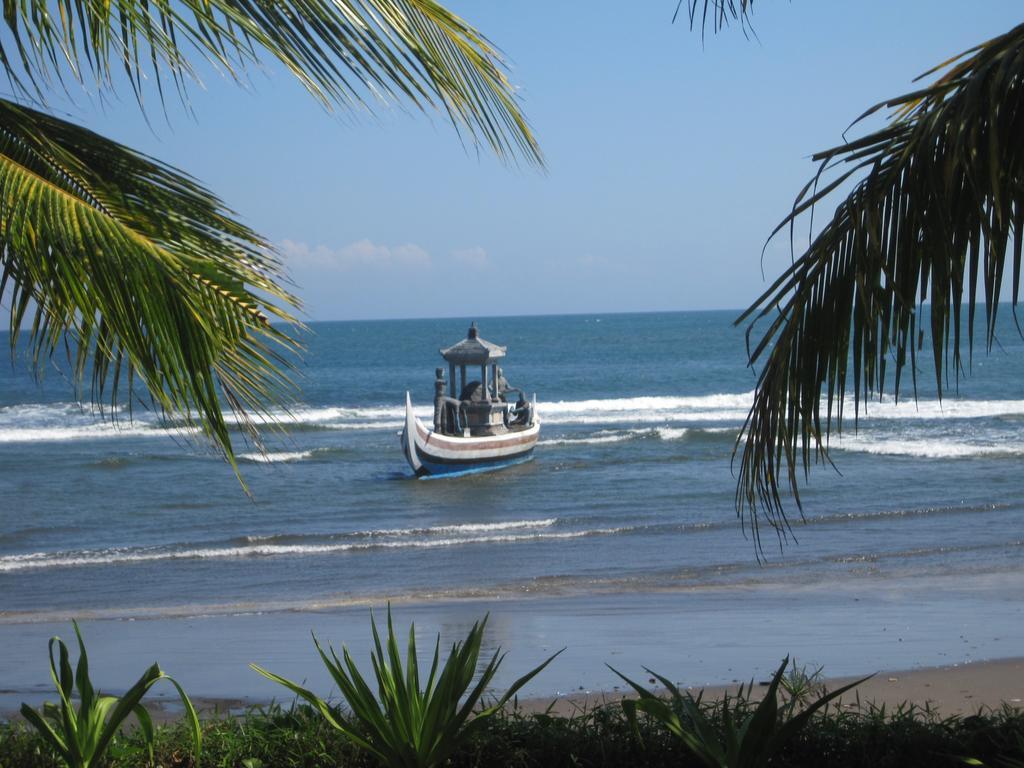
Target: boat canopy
472,350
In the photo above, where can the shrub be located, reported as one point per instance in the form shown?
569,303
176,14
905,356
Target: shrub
82,736
408,725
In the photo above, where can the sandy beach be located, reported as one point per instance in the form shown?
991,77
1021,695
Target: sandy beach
952,690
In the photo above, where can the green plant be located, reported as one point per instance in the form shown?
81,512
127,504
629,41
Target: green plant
800,685
599,736
1004,761
81,737
407,724
748,738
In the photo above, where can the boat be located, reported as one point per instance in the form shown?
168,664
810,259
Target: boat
487,426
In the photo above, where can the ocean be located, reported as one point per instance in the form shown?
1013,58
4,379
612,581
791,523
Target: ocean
622,528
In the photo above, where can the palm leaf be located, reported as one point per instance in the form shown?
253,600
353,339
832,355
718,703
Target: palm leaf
149,274
935,214
717,14
347,53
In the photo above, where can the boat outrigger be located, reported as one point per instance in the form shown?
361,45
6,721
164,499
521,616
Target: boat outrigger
481,429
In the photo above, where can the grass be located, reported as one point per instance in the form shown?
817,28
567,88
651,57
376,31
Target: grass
908,736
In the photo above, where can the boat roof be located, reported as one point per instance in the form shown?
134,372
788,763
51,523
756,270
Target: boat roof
472,350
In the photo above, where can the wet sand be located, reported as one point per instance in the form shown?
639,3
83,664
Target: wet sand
944,629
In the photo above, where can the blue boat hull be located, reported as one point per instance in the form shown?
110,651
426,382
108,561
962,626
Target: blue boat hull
430,469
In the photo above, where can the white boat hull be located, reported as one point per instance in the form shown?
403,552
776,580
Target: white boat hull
430,453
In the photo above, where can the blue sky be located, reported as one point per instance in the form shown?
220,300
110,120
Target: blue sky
669,161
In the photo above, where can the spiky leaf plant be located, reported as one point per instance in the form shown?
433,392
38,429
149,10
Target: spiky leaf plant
748,739
409,724
81,735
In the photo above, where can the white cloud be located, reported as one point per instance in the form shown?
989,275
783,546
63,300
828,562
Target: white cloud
476,258
362,253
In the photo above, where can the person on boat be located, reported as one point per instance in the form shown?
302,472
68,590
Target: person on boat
501,385
439,401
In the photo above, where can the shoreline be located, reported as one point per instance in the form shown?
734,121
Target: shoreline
962,689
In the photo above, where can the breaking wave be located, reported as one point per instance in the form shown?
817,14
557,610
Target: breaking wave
621,435
509,532
58,422
275,457
927,448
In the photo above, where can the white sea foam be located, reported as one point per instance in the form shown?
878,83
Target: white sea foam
40,560
61,422
718,407
620,435
671,433
706,408
604,436
928,448
356,425
345,416
936,410
470,527
63,434
275,457
34,422
433,530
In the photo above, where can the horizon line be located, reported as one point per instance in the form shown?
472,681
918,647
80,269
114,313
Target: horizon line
523,315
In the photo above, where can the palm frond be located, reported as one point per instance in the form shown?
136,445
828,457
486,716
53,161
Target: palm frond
717,14
147,273
936,213
347,53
